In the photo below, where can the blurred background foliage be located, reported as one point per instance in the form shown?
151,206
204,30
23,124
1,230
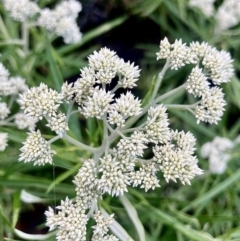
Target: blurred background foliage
209,209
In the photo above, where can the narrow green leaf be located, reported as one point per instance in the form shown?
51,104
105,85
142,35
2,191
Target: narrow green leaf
16,208
221,187
57,76
186,230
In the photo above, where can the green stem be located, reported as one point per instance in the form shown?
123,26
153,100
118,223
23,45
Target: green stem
172,92
12,42
159,81
79,144
25,37
132,120
54,139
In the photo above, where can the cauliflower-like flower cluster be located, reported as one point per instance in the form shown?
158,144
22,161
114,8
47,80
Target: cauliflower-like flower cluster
119,161
218,152
61,20
212,66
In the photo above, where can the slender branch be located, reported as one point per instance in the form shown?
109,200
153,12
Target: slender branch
54,139
25,37
11,101
183,107
132,120
159,81
79,144
69,111
172,92
5,123
12,42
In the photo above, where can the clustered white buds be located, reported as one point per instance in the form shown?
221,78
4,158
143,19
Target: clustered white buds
178,53
71,221
61,20
176,158
40,101
213,66
218,152
22,9
36,149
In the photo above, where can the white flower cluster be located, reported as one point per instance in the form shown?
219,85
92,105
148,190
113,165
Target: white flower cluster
20,10
96,102
61,20
36,149
218,153
212,65
119,161
226,16
177,53
71,219
176,158
10,87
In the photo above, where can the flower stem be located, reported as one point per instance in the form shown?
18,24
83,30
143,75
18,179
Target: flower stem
172,92
79,144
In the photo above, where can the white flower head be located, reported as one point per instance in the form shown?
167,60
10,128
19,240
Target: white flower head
211,107
157,130
102,224
4,110
133,145
68,29
145,176
165,49
22,121
218,153
70,220
177,53
83,87
219,64
67,92
18,85
68,8
58,123
176,159
36,149
197,83
4,73
3,141
129,74
127,105
47,19
113,181
20,10
227,15
40,101
106,64
98,104
86,182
